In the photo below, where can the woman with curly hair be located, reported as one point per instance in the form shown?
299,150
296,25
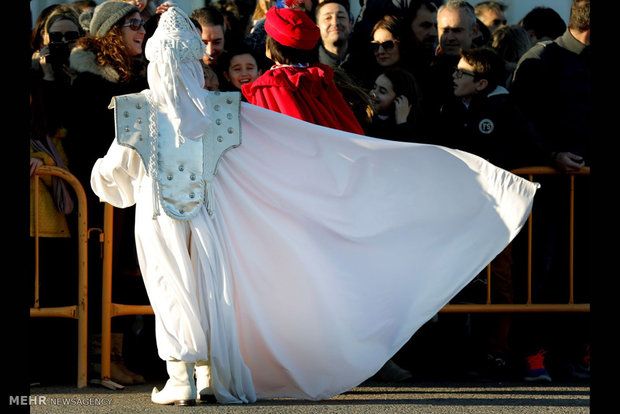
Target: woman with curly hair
105,64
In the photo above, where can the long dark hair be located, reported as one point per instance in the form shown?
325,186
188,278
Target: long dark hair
404,83
397,25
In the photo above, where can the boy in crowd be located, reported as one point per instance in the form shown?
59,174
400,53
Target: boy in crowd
481,118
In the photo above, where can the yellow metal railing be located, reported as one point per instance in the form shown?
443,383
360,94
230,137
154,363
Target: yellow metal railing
529,306
80,310
109,309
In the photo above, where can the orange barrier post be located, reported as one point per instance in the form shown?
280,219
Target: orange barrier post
570,306
80,310
110,309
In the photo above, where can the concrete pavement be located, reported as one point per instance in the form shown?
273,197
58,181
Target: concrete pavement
370,397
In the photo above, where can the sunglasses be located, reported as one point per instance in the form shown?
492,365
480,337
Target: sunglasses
70,36
134,24
387,46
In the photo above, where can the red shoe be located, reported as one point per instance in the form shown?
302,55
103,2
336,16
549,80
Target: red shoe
535,370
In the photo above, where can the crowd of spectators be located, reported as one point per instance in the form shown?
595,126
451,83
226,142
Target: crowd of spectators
421,71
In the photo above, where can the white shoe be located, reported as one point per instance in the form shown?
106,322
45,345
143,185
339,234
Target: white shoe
180,389
203,381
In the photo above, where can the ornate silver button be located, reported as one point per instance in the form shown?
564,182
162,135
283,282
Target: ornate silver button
230,130
229,115
219,138
192,195
126,114
169,176
218,121
217,107
181,167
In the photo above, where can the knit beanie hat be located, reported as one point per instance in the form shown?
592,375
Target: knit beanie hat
107,14
85,18
292,27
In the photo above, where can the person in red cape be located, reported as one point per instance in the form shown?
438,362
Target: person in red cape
298,85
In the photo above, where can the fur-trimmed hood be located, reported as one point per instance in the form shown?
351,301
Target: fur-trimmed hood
83,60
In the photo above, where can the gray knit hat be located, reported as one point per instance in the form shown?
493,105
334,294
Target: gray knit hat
107,14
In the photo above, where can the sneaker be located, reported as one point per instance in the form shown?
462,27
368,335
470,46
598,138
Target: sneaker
581,369
496,365
535,370
492,367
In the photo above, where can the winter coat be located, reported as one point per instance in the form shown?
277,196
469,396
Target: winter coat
91,131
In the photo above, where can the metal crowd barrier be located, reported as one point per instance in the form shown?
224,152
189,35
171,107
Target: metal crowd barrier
111,309
529,306
80,310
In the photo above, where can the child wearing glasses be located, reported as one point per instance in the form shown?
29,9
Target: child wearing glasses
482,118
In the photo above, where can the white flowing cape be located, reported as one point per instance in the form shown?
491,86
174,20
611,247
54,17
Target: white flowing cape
326,252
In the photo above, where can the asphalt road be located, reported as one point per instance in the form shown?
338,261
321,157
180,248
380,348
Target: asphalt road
370,397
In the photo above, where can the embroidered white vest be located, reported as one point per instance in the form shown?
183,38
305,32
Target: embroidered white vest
181,176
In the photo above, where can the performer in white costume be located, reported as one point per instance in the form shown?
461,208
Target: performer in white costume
298,264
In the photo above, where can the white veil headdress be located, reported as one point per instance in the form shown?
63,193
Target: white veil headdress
175,74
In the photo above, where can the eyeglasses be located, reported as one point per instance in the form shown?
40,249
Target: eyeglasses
387,46
458,73
70,36
134,24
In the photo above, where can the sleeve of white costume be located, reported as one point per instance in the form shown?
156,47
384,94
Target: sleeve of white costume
114,178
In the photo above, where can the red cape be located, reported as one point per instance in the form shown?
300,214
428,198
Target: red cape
306,93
